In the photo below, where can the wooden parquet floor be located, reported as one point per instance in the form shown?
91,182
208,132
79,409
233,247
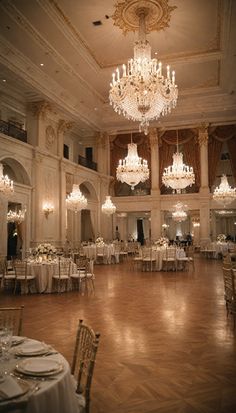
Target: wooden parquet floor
166,343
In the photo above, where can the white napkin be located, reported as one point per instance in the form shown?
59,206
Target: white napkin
9,388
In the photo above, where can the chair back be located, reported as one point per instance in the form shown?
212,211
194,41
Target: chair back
12,317
64,267
170,253
83,363
20,268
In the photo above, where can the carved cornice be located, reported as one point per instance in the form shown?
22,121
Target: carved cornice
21,20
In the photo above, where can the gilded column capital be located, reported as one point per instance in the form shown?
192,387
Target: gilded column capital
203,135
103,139
63,126
40,109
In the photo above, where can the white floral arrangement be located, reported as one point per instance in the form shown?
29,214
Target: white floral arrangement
221,238
45,248
99,242
162,242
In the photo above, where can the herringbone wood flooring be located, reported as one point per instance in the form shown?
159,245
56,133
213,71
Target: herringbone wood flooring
166,343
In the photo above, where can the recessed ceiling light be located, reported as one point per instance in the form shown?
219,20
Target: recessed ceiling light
4,80
95,108
41,64
155,53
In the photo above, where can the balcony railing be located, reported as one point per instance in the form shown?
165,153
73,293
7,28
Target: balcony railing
87,163
8,128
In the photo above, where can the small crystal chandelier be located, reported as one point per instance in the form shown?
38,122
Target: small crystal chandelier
108,207
179,215
132,169
142,93
178,175
76,200
16,216
224,193
6,185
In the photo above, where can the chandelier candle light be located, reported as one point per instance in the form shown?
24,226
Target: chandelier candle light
16,216
108,207
142,93
6,185
224,193
179,214
76,200
178,175
132,169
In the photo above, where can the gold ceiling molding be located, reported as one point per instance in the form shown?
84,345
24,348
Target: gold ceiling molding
157,14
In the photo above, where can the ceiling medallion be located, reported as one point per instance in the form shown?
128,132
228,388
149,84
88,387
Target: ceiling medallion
126,16
142,92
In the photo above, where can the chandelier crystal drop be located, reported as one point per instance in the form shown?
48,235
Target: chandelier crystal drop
178,175
108,207
16,216
6,185
76,201
179,214
132,169
224,193
142,93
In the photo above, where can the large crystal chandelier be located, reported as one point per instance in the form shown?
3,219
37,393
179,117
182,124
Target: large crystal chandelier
132,169
224,193
142,93
178,175
108,207
16,216
76,200
6,185
179,214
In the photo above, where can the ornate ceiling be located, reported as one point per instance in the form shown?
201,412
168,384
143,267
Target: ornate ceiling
197,38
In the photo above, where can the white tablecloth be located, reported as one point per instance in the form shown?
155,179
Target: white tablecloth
56,396
160,252
92,251
44,275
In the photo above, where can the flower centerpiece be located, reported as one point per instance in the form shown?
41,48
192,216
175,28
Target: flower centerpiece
45,250
221,238
162,242
99,242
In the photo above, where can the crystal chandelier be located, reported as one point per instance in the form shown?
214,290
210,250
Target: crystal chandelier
6,185
178,175
76,200
224,193
142,93
108,207
132,169
179,215
16,216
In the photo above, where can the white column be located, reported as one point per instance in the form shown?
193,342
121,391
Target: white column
154,167
204,221
156,221
103,153
203,143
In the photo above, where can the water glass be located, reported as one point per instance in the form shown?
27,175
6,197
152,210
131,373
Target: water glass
5,342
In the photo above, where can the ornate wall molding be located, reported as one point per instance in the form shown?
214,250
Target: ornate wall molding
50,137
63,126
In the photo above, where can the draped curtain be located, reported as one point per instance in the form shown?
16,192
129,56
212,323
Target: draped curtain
219,135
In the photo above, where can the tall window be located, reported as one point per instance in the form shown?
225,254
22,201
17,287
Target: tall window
66,151
89,154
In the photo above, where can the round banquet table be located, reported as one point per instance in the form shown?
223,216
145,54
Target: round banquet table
54,393
44,272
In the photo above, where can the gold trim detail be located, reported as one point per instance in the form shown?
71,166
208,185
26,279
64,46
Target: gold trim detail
157,17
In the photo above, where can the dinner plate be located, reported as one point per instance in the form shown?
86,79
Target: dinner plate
32,348
17,340
12,388
39,367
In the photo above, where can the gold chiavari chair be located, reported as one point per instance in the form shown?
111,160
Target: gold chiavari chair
12,317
